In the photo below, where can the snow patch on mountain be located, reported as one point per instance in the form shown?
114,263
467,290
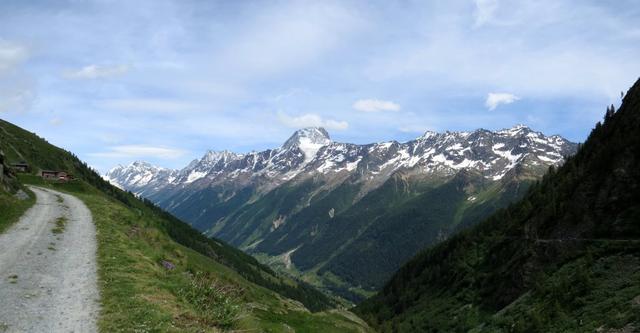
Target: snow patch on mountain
194,175
311,151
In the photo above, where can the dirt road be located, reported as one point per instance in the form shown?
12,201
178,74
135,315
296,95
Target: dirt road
48,277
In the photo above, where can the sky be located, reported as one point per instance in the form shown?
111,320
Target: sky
165,81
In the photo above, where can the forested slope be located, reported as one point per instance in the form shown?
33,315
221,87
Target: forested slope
564,259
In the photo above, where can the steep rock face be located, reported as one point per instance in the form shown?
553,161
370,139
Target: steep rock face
326,204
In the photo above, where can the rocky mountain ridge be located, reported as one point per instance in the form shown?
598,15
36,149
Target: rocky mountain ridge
310,152
343,216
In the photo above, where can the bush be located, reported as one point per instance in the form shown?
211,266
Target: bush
217,302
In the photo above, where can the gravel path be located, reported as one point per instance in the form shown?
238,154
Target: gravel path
48,280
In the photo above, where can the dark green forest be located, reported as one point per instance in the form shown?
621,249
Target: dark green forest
566,258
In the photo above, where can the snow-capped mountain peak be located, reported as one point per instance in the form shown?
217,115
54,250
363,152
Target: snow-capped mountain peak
516,130
427,135
138,176
310,152
309,141
213,156
310,136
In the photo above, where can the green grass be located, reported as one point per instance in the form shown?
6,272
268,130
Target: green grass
12,208
199,295
327,281
218,303
13,279
61,223
139,295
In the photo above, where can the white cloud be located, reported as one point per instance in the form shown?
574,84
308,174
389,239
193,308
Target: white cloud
375,105
413,129
16,96
147,105
311,120
16,88
485,11
11,54
287,36
56,121
137,151
91,72
496,99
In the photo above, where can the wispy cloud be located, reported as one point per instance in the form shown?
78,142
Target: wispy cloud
205,71
16,87
11,54
375,105
140,151
311,120
485,11
92,72
55,121
288,36
148,105
413,129
496,99
16,95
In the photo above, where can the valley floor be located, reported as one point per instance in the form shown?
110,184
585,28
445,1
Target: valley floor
48,267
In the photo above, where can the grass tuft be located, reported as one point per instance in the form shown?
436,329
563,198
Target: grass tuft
219,304
61,223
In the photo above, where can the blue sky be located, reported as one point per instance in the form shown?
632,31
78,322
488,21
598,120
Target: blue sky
163,81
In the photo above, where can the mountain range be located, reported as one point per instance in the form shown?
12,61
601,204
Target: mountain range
343,216
155,273
565,258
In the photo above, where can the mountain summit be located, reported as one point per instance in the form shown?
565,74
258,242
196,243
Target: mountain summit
311,151
308,141
351,213
307,137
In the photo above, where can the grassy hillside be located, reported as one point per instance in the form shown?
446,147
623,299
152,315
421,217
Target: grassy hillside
208,285
353,252
350,249
564,259
14,198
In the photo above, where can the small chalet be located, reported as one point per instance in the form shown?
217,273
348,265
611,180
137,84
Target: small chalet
20,167
56,175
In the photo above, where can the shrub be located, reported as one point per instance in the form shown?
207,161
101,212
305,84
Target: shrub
217,302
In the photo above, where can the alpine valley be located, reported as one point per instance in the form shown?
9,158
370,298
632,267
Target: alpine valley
345,217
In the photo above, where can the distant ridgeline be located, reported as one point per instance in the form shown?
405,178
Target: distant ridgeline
21,145
565,258
344,216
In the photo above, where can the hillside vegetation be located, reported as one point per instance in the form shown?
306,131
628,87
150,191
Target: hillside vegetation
158,274
14,198
566,258
344,217
392,223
